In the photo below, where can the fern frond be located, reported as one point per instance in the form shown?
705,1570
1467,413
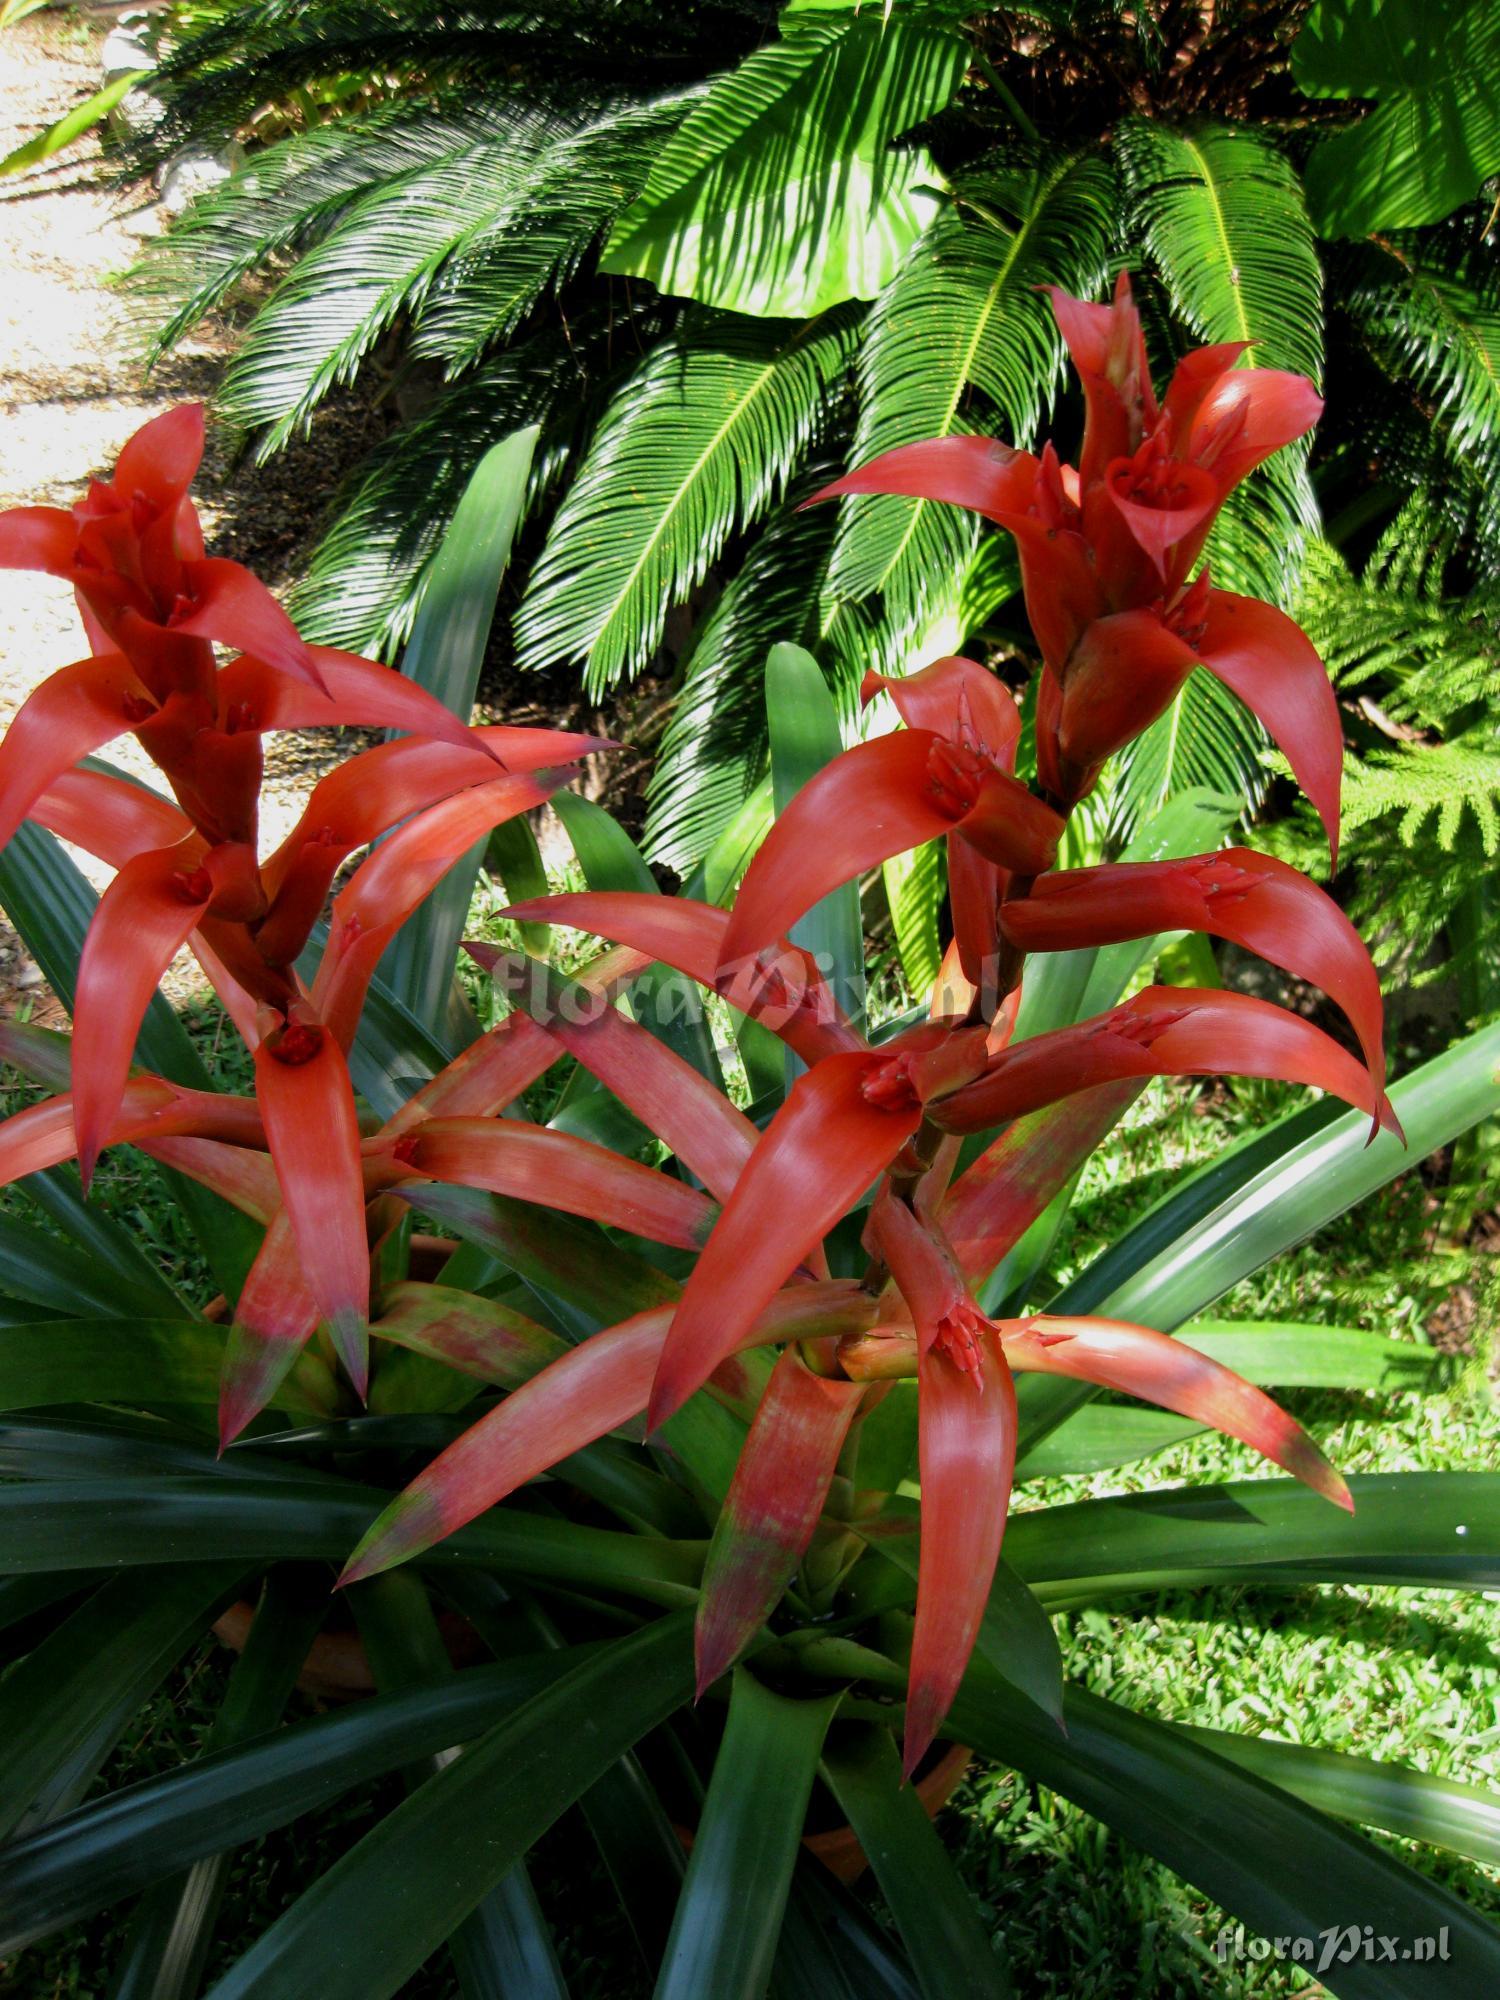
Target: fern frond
378,260
1429,790
696,444
1435,331
964,316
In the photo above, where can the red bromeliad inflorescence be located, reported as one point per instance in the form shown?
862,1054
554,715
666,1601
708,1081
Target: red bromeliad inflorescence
1122,612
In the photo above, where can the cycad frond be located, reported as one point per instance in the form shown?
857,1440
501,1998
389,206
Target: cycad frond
363,585
577,184
963,315
697,443
713,752
287,196
378,260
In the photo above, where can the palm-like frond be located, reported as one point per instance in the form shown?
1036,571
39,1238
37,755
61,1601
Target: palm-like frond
363,585
576,185
378,260
713,752
964,316
697,443
290,194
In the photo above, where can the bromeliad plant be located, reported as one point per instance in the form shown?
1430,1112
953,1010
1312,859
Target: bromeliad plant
821,1304
1108,554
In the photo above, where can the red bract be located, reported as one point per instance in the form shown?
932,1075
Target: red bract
154,605
1107,552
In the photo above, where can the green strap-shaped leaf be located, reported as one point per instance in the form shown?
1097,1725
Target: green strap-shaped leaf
1418,1528
120,1522
933,1908
115,1846
138,1362
504,1945
1278,1864
171,1932
779,194
51,905
1465,1819
697,443
444,656
386,1905
729,1914
65,1705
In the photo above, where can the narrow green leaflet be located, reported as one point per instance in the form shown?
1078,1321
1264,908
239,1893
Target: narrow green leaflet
739,1874
444,656
1435,134
73,125
385,1906
780,194
133,1361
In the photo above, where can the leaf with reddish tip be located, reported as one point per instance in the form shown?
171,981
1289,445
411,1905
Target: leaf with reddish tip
1269,662
1249,898
587,1392
142,921
223,601
671,1098
44,1135
1138,1361
791,997
1164,1031
475,1335
274,1319
71,713
785,1467
966,1449
992,1205
108,816
875,801
818,1155
534,1163
306,1099
390,883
